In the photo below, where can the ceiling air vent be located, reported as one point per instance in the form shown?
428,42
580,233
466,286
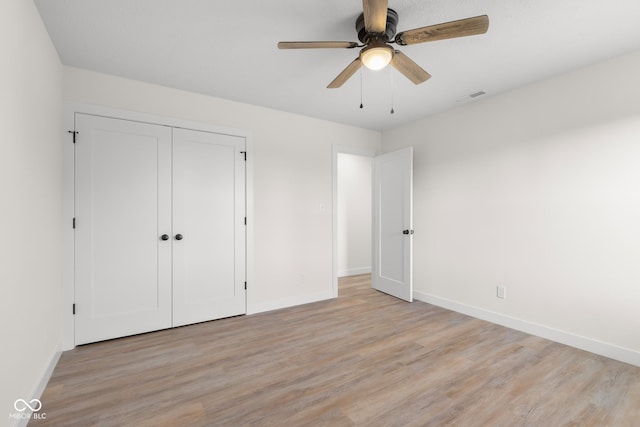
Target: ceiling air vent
472,96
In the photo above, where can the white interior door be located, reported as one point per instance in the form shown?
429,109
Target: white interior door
208,220
393,223
122,207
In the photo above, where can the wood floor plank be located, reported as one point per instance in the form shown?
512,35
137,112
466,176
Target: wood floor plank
363,359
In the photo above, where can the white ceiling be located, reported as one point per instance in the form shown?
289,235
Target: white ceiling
227,49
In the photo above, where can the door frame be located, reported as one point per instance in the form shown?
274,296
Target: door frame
68,195
335,150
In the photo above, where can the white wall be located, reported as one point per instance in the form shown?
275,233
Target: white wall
354,214
292,178
30,187
537,190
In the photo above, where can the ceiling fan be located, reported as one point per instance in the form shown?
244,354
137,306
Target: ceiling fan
376,28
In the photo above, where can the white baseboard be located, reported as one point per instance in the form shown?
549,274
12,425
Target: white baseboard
44,380
354,271
287,302
583,343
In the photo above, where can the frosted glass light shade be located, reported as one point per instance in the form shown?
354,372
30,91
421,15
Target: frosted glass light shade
376,57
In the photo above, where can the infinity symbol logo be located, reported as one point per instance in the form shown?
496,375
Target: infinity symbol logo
21,405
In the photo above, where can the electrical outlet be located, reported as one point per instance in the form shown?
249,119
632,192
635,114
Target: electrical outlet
501,292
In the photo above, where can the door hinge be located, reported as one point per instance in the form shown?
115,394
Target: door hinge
74,308
245,220
74,223
74,133
245,155
245,286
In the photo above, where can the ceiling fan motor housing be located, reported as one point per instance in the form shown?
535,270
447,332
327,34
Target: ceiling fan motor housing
365,37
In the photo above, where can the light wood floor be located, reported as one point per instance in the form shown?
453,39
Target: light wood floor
365,359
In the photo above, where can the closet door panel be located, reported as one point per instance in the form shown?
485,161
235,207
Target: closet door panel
123,206
208,224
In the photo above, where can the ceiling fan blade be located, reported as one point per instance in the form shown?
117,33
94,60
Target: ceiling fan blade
410,69
346,74
446,30
317,45
375,15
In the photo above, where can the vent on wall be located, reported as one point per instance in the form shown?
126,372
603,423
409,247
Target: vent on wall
474,95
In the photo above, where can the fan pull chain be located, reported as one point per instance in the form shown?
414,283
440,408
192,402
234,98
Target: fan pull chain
361,105
392,111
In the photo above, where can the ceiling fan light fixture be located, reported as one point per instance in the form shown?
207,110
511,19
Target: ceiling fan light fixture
376,28
376,57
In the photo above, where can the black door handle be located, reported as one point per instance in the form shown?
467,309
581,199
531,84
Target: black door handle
179,236
407,231
165,237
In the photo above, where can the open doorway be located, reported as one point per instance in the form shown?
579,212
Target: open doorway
352,253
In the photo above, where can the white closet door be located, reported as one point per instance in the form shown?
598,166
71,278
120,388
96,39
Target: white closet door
122,208
208,226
